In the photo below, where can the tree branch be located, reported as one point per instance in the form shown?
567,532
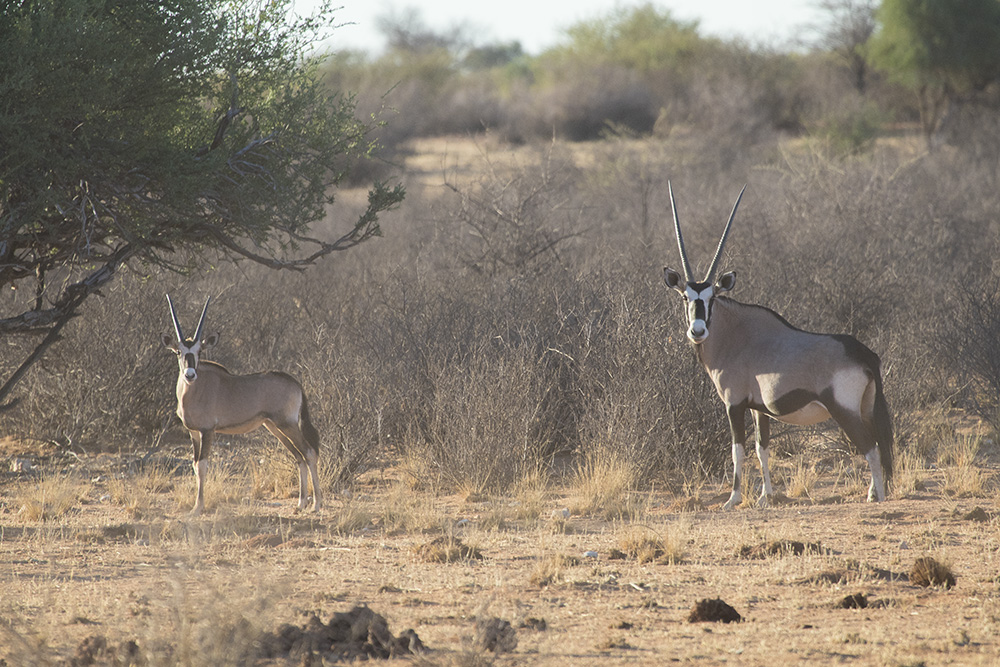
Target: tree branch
56,317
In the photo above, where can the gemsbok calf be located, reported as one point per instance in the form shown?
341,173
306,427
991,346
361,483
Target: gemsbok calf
758,361
212,400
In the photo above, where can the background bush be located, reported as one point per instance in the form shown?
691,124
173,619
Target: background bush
513,318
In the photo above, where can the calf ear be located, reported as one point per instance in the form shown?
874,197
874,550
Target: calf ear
169,342
209,340
726,282
673,279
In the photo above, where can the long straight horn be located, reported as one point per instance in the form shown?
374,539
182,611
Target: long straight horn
201,322
680,239
177,324
722,242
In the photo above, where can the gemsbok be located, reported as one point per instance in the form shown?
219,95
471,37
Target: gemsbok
758,361
212,400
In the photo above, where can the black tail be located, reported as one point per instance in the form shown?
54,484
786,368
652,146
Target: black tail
883,429
308,430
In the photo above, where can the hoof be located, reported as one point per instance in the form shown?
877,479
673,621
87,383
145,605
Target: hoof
733,501
764,501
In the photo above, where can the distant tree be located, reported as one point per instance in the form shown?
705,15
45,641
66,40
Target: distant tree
406,31
493,55
850,25
162,133
942,49
644,38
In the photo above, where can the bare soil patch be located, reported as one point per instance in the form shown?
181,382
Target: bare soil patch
253,581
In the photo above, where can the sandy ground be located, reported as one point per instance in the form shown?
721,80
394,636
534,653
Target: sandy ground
202,590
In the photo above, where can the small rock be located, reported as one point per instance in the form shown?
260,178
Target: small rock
561,514
590,554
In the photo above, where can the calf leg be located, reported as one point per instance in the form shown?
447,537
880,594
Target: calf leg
862,437
763,423
202,441
737,424
305,458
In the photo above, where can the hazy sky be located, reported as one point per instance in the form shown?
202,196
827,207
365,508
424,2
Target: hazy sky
538,24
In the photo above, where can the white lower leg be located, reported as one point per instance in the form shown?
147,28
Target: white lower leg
738,456
200,468
876,492
765,472
312,458
303,484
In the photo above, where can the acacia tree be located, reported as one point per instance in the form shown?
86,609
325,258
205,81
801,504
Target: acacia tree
850,25
156,132
942,49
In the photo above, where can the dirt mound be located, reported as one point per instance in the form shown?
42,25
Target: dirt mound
928,572
95,650
447,550
496,635
856,601
779,548
359,634
713,611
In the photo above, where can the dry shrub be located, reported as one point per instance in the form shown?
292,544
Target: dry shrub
927,571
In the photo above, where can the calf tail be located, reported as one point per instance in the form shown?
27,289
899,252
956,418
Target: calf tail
883,430
308,430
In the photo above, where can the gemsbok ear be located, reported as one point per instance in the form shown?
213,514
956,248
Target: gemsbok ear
169,342
726,282
209,341
673,279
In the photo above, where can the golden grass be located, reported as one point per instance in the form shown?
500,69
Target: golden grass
604,486
803,477
136,493
48,499
957,459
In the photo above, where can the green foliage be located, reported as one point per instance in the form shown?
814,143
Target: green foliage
136,130
177,124
642,38
951,43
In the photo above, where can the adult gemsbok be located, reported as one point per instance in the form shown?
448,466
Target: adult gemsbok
759,361
212,400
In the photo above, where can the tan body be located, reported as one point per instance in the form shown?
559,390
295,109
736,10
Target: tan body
212,400
821,377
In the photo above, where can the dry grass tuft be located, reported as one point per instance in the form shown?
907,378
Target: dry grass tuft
48,499
957,460
647,546
928,572
803,477
549,570
136,494
603,486
402,511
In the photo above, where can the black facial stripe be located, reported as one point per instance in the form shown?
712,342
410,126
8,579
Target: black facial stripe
190,361
700,310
